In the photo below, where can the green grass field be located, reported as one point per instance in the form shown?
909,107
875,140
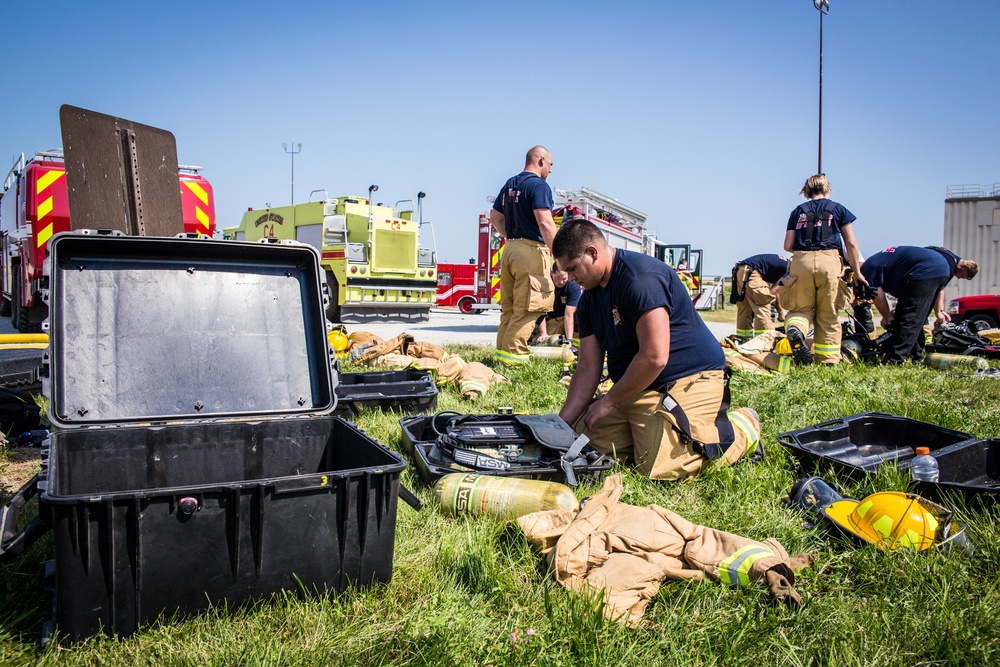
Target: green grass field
471,592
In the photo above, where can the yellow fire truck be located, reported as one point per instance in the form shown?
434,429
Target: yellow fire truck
375,266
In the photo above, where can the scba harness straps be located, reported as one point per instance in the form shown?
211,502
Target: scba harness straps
498,443
818,225
727,436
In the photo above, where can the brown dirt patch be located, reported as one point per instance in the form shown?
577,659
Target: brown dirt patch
17,466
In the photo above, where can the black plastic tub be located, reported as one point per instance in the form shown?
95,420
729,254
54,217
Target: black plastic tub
859,444
19,367
194,458
420,436
411,390
151,521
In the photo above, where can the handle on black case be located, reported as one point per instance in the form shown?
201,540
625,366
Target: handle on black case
410,498
13,543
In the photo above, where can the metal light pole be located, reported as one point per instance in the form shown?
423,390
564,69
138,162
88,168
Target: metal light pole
824,8
293,153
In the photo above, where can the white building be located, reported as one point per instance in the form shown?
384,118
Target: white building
972,231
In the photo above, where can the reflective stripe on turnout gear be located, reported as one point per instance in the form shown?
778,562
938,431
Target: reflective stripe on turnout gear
511,359
476,386
822,349
735,570
784,364
800,323
743,423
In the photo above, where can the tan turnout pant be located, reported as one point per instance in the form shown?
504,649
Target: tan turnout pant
753,313
641,430
813,294
526,293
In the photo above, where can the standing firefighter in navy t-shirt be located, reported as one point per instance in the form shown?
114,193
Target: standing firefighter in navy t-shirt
814,290
667,409
916,277
522,214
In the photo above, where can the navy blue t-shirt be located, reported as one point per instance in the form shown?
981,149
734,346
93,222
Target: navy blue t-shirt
892,268
806,235
771,267
638,284
518,199
567,295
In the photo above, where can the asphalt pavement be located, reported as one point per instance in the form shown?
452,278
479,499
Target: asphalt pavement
448,326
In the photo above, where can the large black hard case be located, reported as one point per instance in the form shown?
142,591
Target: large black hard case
196,461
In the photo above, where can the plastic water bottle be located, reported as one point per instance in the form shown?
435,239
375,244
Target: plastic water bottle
505,497
924,467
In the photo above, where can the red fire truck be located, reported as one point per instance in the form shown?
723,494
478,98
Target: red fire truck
34,206
476,287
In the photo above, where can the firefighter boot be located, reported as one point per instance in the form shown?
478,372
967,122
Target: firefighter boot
800,349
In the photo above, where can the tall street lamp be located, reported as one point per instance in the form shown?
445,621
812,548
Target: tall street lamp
293,152
823,6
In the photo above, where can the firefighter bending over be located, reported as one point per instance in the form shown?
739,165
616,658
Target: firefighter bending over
667,410
522,214
753,295
917,278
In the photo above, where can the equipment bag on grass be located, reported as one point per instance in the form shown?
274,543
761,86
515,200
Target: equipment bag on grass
18,412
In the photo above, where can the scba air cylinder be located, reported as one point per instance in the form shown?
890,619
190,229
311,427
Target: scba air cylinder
504,497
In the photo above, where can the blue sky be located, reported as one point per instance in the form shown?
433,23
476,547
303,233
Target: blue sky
703,115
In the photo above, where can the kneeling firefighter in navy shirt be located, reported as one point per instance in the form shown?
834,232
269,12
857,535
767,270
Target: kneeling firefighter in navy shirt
668,409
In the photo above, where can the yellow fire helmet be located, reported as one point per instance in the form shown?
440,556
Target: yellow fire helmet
891,520
783,346
338,340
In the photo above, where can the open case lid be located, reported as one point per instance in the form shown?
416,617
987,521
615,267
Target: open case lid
120,174
150,329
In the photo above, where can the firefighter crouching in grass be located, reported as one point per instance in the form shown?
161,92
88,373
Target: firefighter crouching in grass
917,278
667,409
752,293
561,320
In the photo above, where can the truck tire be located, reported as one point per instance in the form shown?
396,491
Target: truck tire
981,321
15,301
465,305
21,316
333,310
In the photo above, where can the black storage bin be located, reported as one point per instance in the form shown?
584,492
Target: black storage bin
19,367
196,461
420,436
864,441
861,443
409,389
